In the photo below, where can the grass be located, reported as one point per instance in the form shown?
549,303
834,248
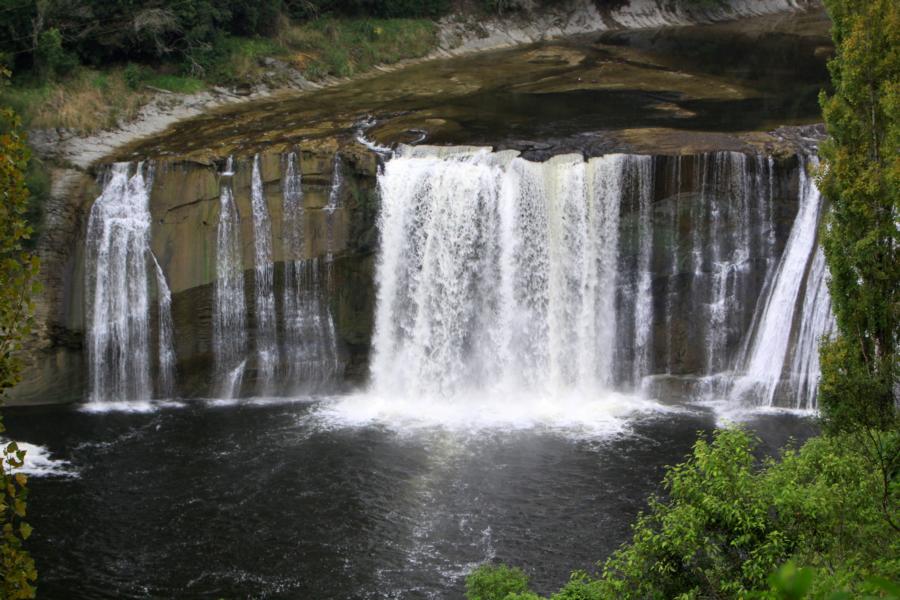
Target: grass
346,47
175,83
89,100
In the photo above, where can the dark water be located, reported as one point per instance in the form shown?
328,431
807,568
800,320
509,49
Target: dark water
266,500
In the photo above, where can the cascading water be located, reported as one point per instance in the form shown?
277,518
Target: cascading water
496,273
166,353
264,297
309,346
229,321
772,359
816,320
692,262
499,276
334,202
117,293
643,304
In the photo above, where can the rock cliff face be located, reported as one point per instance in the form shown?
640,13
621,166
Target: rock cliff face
185,205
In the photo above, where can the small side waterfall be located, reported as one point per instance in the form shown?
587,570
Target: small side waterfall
642,174
816,320
117,294
784,346
166,355
264,298
309,344
334,202
229,321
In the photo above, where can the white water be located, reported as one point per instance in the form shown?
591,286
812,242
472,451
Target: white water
264,296
229,321
643,301
310,341
334,202
165,341
498,278
117,295
816,320
770,350
39,462
496,290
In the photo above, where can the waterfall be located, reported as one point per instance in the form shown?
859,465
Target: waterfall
229,321
816,320
310,341
166,351
334,202
770,348
117,293
635,311
496,271
264,295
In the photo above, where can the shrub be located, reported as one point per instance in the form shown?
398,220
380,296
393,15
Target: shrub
51,58
497,583
728,522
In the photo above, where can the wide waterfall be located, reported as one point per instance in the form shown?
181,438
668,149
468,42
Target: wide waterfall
500,276
575,279
118,269
229,320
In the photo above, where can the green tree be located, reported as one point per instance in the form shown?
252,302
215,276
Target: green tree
18,271
861,180
727,525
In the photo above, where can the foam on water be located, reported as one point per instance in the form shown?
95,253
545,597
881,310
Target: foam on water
129,406
39,462
600,414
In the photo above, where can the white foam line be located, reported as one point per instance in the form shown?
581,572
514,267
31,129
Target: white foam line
145,406
39,463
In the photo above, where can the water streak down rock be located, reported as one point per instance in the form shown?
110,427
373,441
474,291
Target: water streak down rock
229,320
117,293
264,299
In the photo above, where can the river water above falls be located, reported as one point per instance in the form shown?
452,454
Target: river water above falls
312,361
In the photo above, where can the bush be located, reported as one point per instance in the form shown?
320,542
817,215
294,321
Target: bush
727,523
133,75
496,583
52,60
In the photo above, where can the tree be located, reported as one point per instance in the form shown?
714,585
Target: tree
861,181
18,272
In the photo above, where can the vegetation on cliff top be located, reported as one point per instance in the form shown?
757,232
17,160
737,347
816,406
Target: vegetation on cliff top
90,64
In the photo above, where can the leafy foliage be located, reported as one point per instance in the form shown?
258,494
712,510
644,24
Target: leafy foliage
727,523
17,272
496,583
18,570
861,180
